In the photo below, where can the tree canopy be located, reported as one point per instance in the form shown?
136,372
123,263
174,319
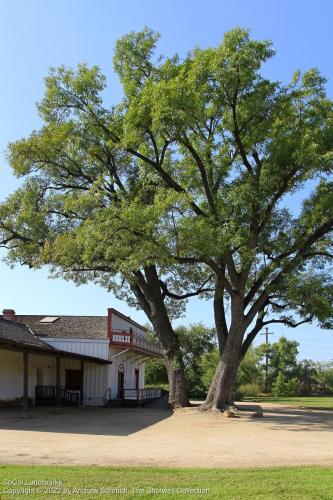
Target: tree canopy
192,173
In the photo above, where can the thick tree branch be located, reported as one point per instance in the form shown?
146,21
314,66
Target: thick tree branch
253,333
237,136
277,196
219,315
290,323
292,263
187,143
166,292
221,274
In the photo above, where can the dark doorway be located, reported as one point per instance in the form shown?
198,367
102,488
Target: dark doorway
120,385
40,378
73,380
136,378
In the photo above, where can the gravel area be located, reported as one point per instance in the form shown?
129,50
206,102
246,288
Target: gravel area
158,437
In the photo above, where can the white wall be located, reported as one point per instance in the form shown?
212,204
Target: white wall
130,360
97,378
90,347
94,375
121,324
11,376
11,373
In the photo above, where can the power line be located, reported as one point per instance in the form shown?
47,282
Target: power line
266,333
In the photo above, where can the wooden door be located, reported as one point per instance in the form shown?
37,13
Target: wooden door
73,380
120,385
136,378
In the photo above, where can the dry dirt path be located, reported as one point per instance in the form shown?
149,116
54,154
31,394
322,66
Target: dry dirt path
155,437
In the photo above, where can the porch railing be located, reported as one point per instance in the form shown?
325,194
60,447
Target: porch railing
140,394
123,337
47,395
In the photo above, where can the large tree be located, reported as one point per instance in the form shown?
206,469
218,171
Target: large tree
78,181
214,154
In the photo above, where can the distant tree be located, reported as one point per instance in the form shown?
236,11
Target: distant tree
284,385
196,341
307,375
156,372
283,362
209,363
324,377
249,370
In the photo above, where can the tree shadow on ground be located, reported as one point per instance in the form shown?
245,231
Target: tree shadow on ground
295,419
96,421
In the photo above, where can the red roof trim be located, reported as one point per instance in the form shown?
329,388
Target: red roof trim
109,334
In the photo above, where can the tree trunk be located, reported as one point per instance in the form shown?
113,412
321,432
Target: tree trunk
177,383
172,354
150,298
220,394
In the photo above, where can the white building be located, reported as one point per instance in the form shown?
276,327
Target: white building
89,360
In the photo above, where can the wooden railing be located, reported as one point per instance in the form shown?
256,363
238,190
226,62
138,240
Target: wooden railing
48,394
125,338
140,394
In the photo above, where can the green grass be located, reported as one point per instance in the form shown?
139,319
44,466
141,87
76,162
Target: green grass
274,483
309,402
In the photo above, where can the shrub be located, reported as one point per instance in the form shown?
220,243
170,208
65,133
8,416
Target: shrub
249,390
164,387
198,393
284,387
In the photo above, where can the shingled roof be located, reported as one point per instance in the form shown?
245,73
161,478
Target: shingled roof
68,327
16,336
15,333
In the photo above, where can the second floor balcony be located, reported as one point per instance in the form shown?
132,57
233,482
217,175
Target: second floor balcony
136,342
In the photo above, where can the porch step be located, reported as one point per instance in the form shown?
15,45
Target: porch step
111,403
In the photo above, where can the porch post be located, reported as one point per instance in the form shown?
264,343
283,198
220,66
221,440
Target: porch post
82,383
25,399
58,394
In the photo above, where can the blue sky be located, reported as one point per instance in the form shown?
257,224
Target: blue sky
37,34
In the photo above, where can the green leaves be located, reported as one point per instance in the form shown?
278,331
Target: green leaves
310,295
190,173
132,59
69,91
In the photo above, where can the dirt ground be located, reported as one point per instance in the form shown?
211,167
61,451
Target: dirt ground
157,437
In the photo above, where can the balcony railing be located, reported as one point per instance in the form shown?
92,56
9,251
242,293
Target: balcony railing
47,395
130,339
140,394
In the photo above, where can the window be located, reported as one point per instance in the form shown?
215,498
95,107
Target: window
49,319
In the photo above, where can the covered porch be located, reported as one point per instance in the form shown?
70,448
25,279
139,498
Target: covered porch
133,397
33,371
140,397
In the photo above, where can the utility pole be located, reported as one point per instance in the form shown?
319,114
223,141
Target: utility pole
266,333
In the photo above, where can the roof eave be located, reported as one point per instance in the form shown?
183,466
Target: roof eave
15,346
